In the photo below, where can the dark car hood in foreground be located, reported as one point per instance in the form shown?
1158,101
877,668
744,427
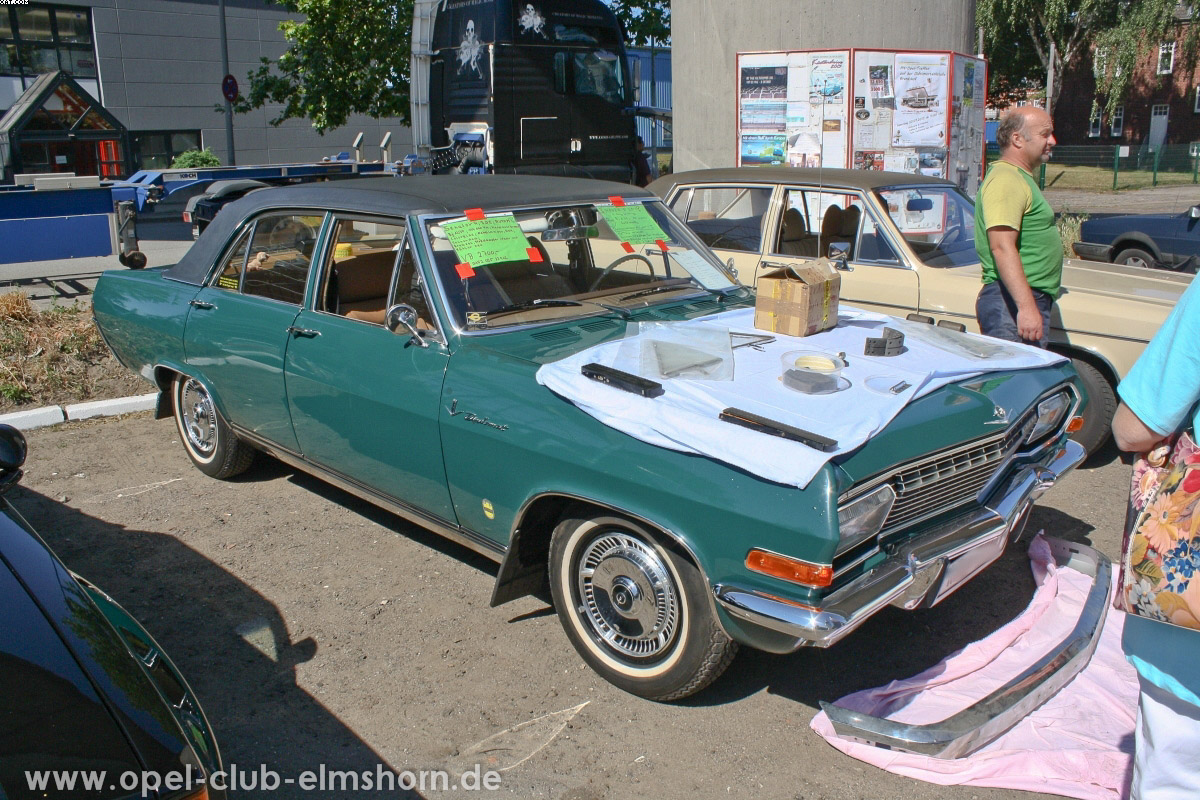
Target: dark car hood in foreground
71,696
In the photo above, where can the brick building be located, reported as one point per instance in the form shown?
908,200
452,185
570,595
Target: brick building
1162,105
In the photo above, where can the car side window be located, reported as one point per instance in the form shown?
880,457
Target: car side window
730,218
357,280
280,253
815,222
230,276
873,246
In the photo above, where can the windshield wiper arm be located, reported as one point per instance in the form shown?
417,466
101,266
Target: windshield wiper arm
624,312
540,302
657,289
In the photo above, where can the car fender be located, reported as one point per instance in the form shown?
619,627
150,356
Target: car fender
1135,239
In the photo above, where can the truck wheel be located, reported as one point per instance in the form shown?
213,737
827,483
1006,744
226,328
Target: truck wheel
638,613
209,441
1133,257
1102,404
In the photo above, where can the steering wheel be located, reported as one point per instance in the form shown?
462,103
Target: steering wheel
613,265
952,234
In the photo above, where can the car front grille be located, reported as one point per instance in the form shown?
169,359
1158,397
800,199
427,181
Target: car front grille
946,480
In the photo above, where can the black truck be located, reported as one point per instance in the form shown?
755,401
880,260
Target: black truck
538,88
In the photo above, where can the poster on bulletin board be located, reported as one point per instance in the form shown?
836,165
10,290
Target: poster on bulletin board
916,112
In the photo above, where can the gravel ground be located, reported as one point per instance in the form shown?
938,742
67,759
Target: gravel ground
317,629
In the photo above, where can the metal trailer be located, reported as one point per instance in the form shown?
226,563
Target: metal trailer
66,216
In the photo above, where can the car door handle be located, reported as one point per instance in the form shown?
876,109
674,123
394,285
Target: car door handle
202,304
306,332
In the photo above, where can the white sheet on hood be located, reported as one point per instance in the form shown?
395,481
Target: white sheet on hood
685,416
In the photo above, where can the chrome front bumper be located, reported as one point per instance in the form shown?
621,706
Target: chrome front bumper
918,574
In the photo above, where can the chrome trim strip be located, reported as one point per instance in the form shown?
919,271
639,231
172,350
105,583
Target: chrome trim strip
984,721
915,574
455,533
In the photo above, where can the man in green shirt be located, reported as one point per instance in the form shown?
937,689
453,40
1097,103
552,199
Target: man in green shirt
1016,235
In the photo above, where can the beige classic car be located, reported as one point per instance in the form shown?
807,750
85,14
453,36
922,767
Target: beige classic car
906,244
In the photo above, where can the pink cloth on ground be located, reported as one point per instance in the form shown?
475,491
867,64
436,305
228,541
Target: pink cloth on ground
1078,744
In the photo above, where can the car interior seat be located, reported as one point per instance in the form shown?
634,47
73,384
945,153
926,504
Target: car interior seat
794,238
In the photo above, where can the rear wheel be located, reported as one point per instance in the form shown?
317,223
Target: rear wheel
1102,404
637,612
209,441
1135,257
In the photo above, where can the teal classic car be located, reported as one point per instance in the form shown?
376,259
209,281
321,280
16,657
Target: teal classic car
395,337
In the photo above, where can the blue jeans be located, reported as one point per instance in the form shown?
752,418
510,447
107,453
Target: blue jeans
997,313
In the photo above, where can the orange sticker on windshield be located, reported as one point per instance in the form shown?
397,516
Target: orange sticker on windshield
627,247
464,271
535,255
616,201
474,214
661,245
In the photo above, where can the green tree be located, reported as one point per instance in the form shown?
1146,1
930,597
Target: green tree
346,57
1018,35
352,57
647,22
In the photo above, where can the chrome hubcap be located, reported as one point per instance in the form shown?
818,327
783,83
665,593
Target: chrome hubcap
627,596
199,417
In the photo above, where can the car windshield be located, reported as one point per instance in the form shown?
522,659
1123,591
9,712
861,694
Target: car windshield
535,265
938,222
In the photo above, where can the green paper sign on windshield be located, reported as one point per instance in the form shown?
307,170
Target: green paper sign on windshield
490,240
632,224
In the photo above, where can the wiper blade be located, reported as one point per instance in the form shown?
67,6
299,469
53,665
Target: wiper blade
671,288
528,304
624,312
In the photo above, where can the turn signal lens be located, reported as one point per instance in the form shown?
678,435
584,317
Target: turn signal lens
818,576
1075,424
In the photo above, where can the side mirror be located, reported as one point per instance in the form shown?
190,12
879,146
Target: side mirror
1194,212
404,316
839,252
729,266
12,456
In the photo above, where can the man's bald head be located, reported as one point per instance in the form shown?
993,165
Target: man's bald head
1018,120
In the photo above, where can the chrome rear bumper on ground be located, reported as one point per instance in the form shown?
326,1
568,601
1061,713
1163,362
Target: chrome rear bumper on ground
985,720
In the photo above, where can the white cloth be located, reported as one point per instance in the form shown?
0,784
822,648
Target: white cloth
685,416
1166,760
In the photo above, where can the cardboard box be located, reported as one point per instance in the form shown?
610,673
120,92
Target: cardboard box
800,300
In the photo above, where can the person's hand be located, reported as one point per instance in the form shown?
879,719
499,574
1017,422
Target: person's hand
1029,324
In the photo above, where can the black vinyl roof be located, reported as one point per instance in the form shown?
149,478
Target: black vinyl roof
394,196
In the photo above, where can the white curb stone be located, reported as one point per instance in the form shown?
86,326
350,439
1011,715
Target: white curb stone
34,418
107,408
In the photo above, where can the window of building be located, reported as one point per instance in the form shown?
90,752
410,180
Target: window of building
1196,107
39,38
1118,122
157,149
1094,127
1166,58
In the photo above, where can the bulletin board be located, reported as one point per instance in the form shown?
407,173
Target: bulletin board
902,111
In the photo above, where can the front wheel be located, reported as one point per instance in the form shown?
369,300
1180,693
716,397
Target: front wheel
1102,404
637,612
209,441
1134,257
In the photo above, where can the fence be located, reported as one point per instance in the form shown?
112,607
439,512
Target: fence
1121,166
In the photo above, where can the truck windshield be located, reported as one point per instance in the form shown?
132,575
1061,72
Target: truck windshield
536,265
598,72
937,221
